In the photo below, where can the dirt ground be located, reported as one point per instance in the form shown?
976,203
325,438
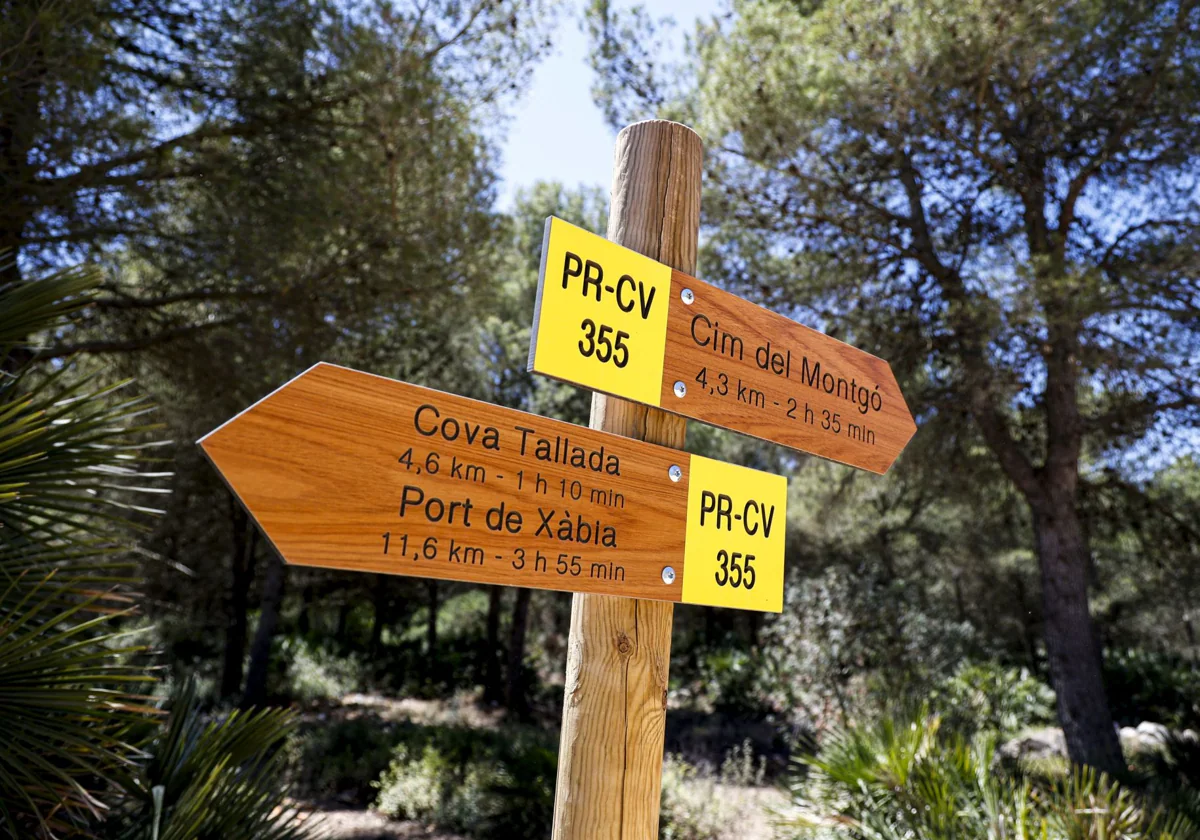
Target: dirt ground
351,824
340,822
368,825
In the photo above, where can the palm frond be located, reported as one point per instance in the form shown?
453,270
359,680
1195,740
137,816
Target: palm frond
31,306
66,710
214,778
73,469
70,455
73,696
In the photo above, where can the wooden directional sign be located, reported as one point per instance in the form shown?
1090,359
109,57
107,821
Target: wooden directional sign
347,470
613,320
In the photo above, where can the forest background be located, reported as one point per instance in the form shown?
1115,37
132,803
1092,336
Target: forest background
1001,199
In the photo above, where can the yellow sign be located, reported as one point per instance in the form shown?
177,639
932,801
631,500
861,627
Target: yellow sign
601,318
733,551
615,321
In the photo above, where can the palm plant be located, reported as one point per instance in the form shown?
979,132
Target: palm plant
78,730
71,690
212,780
904,778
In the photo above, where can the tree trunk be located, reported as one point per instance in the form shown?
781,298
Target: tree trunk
380,619
960,603
304,621
21,105
1029,633
493,690
515,697
245,540
1072,650
754,622
1189,630
431,631
342,633
260,651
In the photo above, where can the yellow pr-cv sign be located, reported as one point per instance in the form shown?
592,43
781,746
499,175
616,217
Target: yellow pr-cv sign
603,309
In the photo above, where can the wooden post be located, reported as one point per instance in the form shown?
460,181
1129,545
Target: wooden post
618,658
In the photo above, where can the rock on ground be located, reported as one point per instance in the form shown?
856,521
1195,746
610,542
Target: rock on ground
1036,744
1050,743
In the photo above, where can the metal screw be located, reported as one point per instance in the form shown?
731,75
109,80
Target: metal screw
668,575
675,472
680,389
687,296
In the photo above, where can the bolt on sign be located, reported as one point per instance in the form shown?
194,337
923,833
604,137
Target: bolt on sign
613,320
347,470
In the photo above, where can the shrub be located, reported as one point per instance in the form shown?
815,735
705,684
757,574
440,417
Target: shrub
308,673
845,642
904,777
1151,686
479,783
1173,773
694,807
730,678
429,787
989,697
342,759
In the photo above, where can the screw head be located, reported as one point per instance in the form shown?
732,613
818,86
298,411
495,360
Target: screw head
680,389
668,575
675,472
687,296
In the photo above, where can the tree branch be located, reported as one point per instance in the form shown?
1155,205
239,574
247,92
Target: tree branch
132,302
1143,95
129,345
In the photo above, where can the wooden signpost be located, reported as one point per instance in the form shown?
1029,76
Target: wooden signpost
611,319
347,470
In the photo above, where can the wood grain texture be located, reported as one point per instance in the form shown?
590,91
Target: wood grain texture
320,466
756,372
614,707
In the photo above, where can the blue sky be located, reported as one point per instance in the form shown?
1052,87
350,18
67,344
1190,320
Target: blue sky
557,133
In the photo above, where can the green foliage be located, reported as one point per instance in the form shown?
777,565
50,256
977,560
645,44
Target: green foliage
307,673
632,81
479,783
904,777
847,638
476,781
428,787
30,308
999,199
987,697
226,91
66,440
69,453
1146,537
342,759
76,732
212,779
70,684
731,682
1143,685
697,803
68,706
1172,773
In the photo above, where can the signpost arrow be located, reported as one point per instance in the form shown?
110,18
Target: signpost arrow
613,320
348,470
